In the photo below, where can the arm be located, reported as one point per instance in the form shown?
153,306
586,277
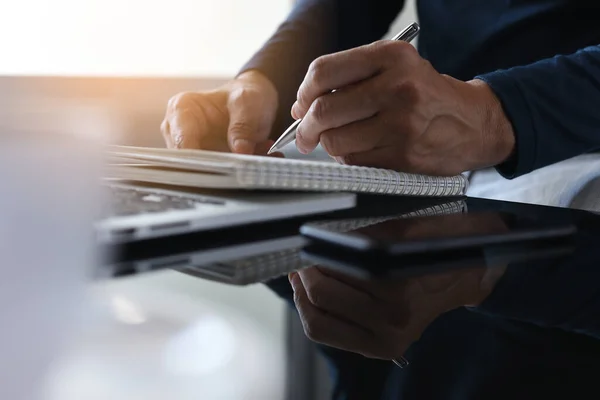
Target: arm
314,28
553,107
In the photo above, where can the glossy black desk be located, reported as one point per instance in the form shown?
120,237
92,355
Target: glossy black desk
536,335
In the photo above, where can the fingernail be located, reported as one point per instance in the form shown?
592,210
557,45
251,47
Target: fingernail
301,149
243,146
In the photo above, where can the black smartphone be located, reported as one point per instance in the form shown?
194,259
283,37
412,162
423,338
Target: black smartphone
398,236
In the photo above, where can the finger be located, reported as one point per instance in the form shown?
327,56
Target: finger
183,129
247,125
357,137
381,291
381,157
391,158
364,285
354,103
166,132
341,300
329,330
334,71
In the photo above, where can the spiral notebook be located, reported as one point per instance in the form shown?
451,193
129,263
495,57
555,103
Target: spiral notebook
208,169
269,265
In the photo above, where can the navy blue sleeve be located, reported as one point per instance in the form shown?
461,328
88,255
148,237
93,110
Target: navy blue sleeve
553,107
315,28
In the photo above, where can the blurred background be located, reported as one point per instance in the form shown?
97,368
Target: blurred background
130,56
112,65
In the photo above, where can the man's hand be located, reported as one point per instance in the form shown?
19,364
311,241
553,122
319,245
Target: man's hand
237,117
391,109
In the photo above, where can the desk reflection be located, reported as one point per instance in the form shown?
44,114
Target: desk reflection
528,329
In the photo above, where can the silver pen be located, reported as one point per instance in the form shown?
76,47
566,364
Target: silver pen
289,135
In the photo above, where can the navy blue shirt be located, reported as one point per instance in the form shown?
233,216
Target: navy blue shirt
541,58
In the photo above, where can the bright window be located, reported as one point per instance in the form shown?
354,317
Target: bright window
134,37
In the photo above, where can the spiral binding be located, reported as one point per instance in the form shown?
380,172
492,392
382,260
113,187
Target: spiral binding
346,225
253,269
319,176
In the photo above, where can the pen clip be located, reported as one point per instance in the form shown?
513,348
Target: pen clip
409,33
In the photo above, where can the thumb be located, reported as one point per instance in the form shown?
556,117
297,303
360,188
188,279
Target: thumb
248,125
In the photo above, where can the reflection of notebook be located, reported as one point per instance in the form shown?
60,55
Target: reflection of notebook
250,270
272,264
346,225
200,168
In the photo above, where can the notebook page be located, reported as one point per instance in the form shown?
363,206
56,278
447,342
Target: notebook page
193,159
169,176
292,174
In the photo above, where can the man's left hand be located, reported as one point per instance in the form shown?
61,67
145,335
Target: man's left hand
392,109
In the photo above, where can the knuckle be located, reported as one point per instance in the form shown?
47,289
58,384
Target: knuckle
406,90
320,109
317,68
181,100
318,72
331,144
240,126
380,46
392,52
241,95
405,48
400,49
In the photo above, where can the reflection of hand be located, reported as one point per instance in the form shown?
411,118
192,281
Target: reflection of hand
380,319
237,116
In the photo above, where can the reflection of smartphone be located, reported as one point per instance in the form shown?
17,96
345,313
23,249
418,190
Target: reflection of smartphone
427,235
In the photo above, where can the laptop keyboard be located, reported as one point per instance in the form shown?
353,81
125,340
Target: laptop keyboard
129,201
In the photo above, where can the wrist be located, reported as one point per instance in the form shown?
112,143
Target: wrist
496,128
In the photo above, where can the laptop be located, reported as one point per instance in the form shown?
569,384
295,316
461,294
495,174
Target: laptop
136,211
235,257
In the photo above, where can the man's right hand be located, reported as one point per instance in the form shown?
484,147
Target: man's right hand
235,117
